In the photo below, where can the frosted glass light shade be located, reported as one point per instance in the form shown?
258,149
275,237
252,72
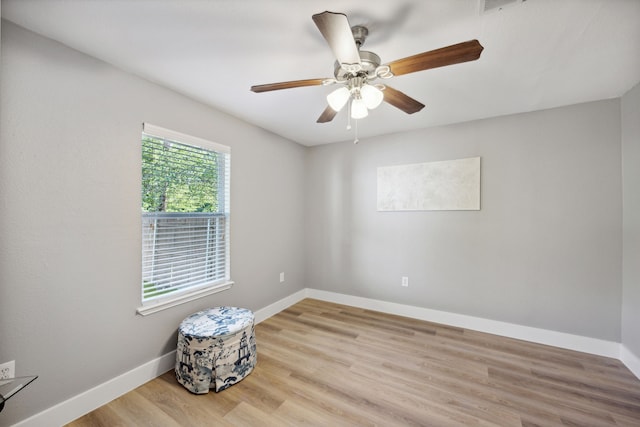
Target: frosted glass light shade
338,98
358,109
371,95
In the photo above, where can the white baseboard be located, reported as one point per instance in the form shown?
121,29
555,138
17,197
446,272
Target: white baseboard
630,360
102,394
541,336
69,410
275,308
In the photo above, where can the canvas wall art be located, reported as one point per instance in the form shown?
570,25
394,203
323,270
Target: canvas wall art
444,185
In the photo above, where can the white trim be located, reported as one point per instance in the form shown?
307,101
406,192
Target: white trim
75,407
83,403
630,360
275,308
527,333
173,135
183,298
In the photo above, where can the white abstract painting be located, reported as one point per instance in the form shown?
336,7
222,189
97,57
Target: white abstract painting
433,186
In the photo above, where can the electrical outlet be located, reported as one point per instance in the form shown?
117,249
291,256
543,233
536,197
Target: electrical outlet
281,277
405,281
8,370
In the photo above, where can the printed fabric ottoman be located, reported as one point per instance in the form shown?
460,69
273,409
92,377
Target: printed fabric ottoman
216,349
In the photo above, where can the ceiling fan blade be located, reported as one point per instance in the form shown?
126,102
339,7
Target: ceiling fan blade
336,30
454,54
401,101
327,115
286,85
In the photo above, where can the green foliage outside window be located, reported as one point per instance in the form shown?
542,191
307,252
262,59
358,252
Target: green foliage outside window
178,177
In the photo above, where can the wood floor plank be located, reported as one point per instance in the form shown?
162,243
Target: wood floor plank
247,415
301,413
170,400
323,364
105,416
302,392
463,402
409,405
146,413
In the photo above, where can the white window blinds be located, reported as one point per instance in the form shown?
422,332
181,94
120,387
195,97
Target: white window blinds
185,214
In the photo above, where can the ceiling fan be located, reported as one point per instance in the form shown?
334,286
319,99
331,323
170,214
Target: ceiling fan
356,70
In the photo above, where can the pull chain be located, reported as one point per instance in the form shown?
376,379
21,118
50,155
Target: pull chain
356,140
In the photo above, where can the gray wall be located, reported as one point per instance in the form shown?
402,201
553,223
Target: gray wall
70,217
544,250
631,220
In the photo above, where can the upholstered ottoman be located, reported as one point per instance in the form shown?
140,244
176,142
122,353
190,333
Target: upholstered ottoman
216,349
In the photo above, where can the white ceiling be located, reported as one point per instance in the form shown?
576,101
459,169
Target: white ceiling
537,54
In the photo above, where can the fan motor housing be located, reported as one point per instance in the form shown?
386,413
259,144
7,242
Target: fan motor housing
370,62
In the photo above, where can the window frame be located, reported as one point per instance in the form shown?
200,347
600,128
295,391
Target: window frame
197,291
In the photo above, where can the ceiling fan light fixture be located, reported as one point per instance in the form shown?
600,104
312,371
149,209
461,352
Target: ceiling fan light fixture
338,98
371,95
359,109
355,70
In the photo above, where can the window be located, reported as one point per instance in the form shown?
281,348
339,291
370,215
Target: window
185,218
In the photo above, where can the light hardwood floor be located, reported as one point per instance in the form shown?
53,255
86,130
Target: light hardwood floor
325,364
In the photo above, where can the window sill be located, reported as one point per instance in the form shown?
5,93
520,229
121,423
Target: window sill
183,298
